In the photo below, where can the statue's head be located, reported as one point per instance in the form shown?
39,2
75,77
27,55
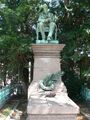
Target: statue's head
44,7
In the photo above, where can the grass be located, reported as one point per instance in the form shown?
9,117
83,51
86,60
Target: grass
6,110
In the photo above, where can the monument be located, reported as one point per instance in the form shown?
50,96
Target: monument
47,94
46,23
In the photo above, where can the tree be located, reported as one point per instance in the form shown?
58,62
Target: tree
75,33
17,18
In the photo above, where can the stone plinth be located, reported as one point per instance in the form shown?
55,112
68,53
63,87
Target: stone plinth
40,106
60,107
47,50
52,117
46,59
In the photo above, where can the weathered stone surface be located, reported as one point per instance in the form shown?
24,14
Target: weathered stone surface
51,117
40,104
41,107
47,50
46,60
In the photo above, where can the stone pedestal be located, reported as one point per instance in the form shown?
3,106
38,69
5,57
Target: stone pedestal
41,107
46,60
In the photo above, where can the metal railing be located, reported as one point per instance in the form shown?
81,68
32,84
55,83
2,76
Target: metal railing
6,93
85,93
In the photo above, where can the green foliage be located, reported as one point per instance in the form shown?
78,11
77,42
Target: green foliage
16,35
75,33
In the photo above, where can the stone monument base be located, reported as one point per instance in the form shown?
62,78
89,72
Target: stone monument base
41,104
52,117
41,107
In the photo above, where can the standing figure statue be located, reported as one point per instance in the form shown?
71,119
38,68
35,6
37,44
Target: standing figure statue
46,19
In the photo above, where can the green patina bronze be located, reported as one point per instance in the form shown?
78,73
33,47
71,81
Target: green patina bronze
48,83
46,23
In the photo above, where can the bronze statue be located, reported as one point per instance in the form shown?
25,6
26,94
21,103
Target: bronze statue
46,19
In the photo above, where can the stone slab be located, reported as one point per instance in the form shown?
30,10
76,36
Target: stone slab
60,104
38,106
45,66
51,117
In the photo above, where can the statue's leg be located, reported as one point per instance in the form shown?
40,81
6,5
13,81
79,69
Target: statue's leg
51,30
41,28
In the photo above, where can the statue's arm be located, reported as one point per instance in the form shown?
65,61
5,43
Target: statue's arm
44,20
53,18
41,19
